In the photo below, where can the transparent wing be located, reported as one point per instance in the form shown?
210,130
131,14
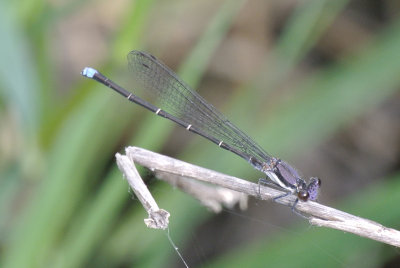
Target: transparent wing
175,97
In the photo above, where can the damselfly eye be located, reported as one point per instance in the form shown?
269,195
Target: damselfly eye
303,195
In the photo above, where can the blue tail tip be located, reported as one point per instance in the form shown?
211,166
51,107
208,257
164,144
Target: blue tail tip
88,72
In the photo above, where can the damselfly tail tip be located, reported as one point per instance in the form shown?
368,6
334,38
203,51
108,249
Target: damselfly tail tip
88,72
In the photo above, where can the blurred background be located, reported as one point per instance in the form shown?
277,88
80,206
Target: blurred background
315,82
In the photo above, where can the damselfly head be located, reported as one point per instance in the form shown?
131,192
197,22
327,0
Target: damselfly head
313,188
308,191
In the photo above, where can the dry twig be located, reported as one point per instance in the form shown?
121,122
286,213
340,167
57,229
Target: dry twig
319,215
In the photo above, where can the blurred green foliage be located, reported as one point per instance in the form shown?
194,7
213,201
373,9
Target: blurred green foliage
62,205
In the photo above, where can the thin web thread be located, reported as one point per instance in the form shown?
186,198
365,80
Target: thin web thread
176,248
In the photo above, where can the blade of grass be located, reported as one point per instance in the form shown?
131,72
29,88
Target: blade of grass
295,42
336,96
64,185
71,160
19,86
304,28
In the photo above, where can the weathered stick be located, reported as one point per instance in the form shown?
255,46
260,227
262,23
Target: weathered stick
319,215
